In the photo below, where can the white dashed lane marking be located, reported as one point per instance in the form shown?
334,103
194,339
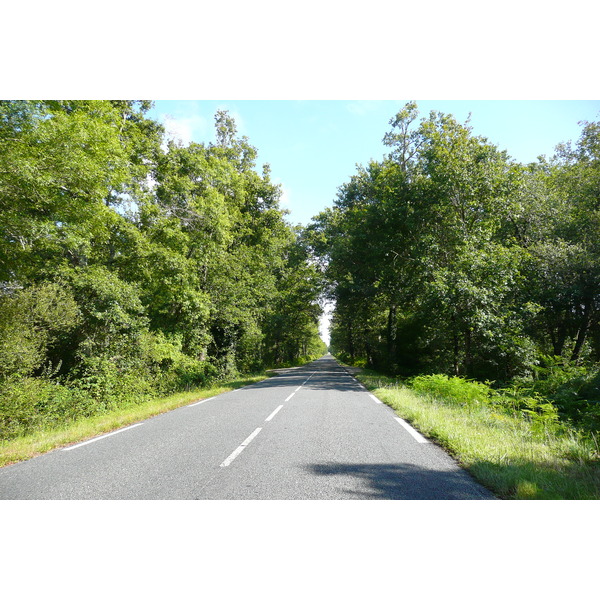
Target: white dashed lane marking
240,448
274,412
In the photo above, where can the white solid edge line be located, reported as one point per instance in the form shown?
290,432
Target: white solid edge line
412,431
101,437
274,412
240,448
375,398
298,388
202,401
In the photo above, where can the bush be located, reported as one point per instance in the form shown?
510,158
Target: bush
454,389
29,403
32,320
542,414
154,365
170,369
574,390
111,385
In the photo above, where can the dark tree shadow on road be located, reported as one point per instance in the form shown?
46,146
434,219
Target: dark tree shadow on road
389,481
325,375
327,382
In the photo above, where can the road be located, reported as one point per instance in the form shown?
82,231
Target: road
308,433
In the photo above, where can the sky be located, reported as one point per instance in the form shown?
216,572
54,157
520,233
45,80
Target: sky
314,146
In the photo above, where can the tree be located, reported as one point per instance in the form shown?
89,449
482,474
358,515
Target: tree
419,270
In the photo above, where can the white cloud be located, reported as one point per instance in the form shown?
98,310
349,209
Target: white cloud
196,128
286,193
185,129
286,196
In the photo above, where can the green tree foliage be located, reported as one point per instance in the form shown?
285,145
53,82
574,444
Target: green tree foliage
33,322
131,265
449,257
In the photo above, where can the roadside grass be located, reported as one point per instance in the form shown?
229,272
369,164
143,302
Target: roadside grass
504,452
28,446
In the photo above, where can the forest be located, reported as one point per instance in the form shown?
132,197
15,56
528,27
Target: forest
132,266
450,259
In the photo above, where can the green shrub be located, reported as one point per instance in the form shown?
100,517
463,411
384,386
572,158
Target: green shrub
111,383
32,320
30,403
453,389
541,414
170,369
574,390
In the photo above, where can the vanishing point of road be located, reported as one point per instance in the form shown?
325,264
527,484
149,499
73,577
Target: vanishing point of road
312,432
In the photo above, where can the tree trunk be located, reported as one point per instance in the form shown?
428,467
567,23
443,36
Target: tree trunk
468,354
391,336
583,331
350,341
370,361
455,347
561,339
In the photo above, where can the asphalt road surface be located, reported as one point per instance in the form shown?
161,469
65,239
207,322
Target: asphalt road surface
308,433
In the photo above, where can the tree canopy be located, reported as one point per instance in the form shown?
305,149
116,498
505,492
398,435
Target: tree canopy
447,256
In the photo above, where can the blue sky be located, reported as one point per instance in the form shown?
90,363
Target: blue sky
313,147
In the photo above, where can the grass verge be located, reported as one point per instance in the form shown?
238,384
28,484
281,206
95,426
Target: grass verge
25,447
502,451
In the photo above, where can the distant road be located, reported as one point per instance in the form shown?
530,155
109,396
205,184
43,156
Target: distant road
308,433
